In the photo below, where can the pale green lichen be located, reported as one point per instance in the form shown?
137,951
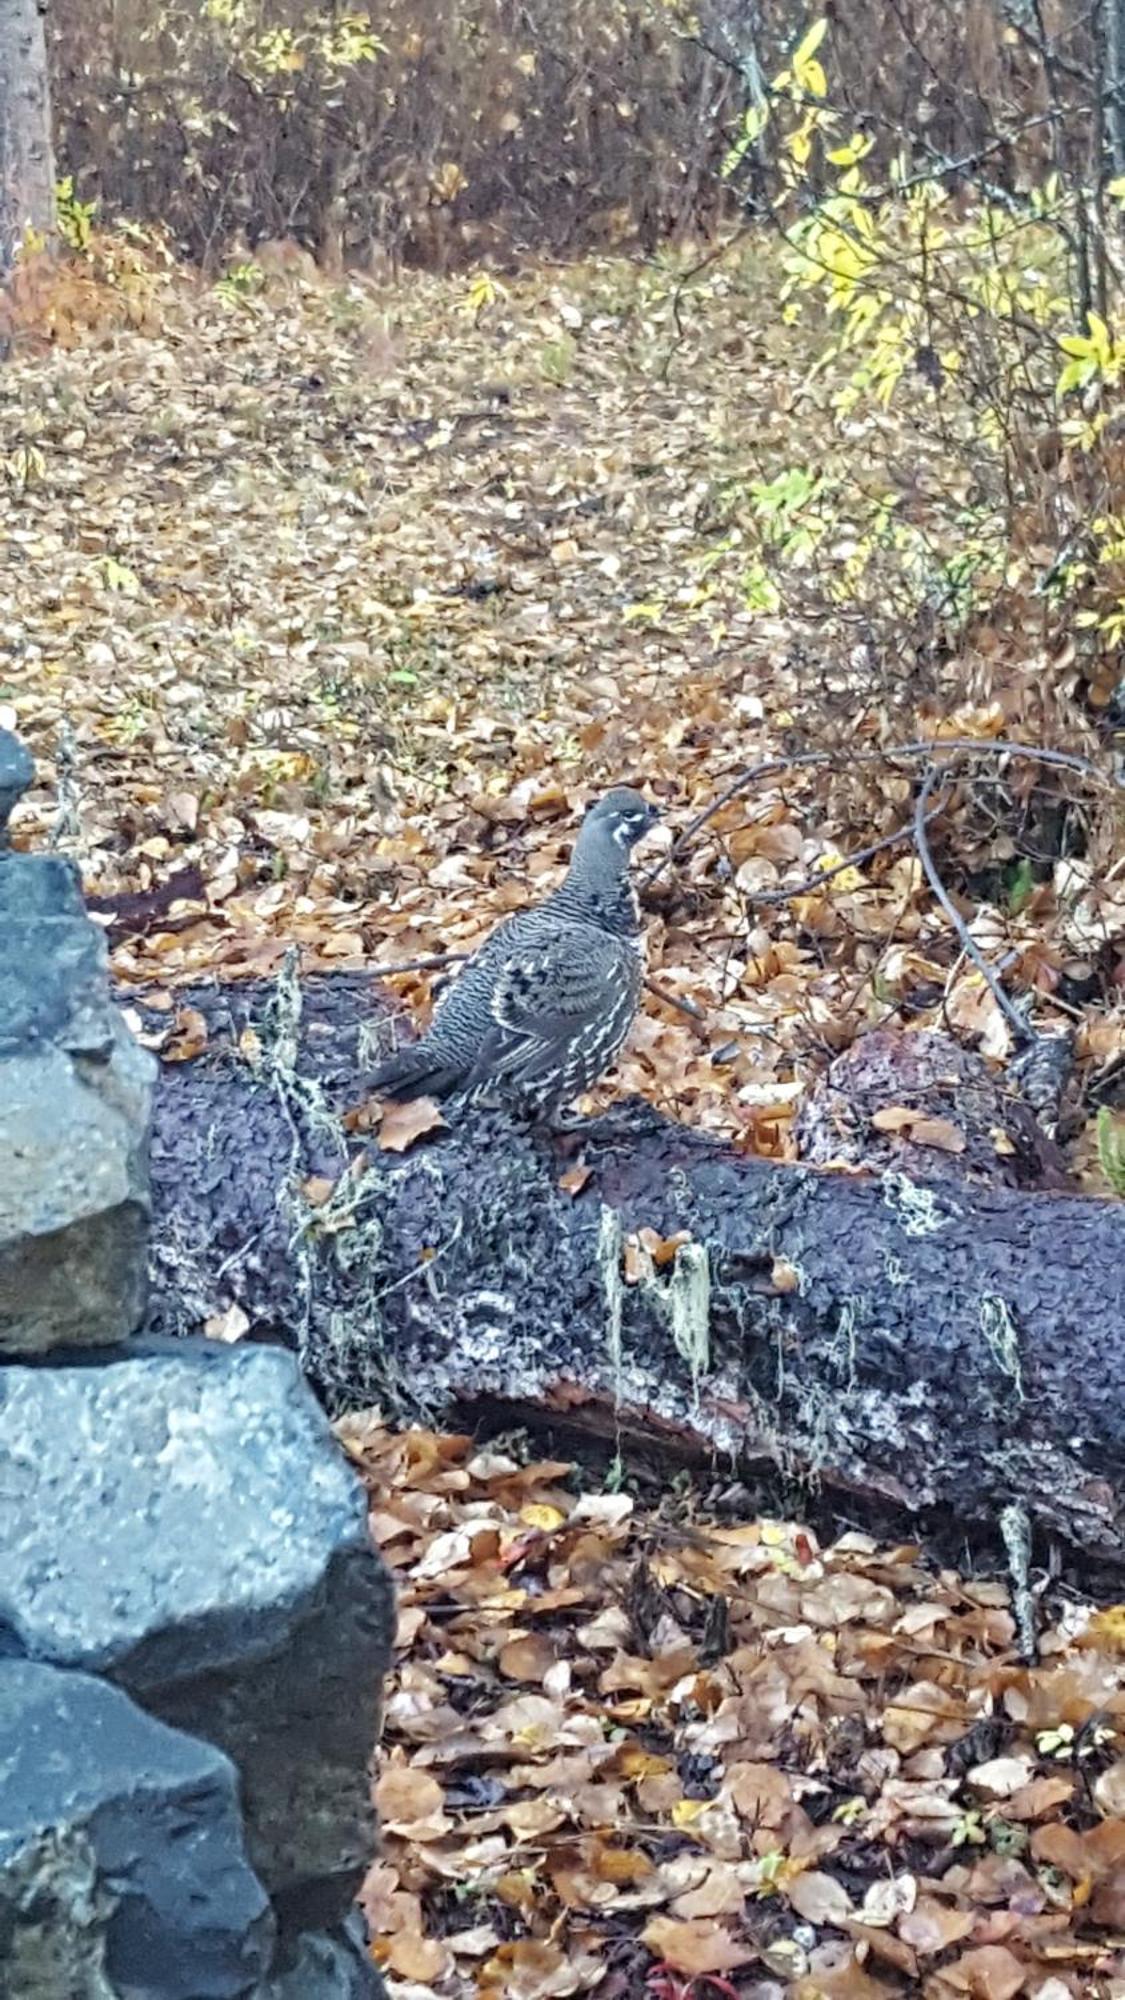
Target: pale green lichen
1015,1527
681,1303
608,1258
914,1208
62,1909
688,1308
1002,1338
843,1341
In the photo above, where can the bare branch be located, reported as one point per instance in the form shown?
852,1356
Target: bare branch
1016,1021
772,767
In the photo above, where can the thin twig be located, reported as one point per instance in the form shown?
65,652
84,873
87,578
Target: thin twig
810,759
433,962
694,1012
856,860
1019,1026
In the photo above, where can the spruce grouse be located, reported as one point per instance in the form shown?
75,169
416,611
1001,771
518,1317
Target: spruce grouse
542,1008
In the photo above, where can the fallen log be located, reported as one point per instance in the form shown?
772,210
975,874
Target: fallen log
936,1349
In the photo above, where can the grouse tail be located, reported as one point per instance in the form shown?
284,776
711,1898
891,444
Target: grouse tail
414,1072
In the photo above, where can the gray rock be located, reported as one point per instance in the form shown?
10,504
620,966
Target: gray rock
123,1874
324,1965
75,1103
181,1519
16,774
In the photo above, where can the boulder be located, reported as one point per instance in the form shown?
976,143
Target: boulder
326,1965
75,1105
123,1869
179,1518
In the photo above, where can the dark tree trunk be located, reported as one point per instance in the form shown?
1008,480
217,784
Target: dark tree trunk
1113,38
938,1350
27,166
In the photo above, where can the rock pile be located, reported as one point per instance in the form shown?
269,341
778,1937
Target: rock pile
193,1624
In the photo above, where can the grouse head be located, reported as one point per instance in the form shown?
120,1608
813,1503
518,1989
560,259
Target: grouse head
622,816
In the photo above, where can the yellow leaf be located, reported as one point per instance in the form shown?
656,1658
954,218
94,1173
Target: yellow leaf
856,149
539,1515
846,878
1074,374
633,1762
1100,336
685,1812
814,80
809,44
1107,1628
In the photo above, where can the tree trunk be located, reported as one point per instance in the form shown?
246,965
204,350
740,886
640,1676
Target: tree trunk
27,164
1113,79
931,1352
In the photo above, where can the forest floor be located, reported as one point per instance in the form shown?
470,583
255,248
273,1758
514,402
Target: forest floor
325,610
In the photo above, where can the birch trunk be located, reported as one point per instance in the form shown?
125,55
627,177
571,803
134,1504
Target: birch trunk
27,164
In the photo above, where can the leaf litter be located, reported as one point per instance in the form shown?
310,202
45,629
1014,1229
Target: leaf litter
328,608
861,1791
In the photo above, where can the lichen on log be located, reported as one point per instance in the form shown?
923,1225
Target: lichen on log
932,1347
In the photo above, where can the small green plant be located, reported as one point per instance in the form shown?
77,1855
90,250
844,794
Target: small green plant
349,40
769,1869
787,514
241,283
1062,1741
75,218
118,576
556,360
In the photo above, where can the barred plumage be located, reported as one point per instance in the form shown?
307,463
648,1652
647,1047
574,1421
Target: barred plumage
543,1007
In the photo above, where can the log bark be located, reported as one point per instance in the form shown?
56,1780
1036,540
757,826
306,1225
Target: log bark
935,1350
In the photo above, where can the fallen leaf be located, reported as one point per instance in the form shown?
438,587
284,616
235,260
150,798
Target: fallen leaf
992,1972
402,1124
528,1658
695,1946
188,1038
820,1899
932,1926
183,810
531,1969
1001,1776
410,1802
229,1325
412,1956
919,1129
